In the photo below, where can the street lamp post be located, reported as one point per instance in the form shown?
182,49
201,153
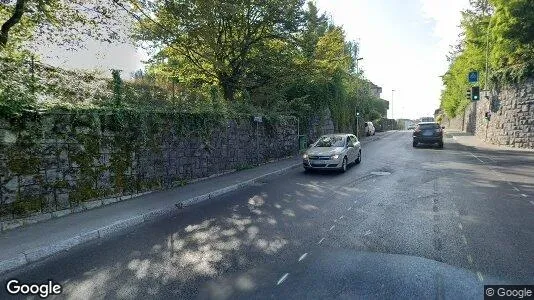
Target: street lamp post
358,65
392,91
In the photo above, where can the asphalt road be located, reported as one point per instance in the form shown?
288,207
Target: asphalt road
418,223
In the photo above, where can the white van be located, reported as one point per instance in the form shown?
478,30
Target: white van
369,128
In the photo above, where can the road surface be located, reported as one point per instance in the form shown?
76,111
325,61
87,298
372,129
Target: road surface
405,222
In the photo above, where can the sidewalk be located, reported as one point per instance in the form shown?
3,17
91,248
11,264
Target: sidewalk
470,140
23,245
30,243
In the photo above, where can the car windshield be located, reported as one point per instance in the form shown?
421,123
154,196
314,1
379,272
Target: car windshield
331,141
428,126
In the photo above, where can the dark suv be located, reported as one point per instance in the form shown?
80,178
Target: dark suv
428,133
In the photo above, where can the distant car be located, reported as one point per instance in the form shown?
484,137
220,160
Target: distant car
428,133
427,119
334,152
369,128
411,127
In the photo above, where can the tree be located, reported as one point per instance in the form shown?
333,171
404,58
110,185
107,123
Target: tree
498,35
512,33
62,22
214,41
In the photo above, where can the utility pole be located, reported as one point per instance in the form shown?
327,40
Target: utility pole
392,92
487,47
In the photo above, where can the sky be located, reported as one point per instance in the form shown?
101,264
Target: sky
403,43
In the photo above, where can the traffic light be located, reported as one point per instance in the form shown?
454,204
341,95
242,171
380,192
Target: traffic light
475,93
468,94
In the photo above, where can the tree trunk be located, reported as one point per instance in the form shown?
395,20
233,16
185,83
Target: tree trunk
229,87
12,21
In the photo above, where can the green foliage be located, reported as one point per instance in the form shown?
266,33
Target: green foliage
512,33
258,57
28,23
213,41
236,57
117,86
501,31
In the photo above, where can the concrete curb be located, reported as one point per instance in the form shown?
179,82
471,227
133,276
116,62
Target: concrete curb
33,255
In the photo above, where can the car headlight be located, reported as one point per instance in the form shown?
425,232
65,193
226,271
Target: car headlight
334,157
305,156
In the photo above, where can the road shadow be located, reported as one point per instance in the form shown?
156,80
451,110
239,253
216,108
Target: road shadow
181,255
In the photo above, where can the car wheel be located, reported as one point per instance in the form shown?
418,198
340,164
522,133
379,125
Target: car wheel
344,165
414,144
359,158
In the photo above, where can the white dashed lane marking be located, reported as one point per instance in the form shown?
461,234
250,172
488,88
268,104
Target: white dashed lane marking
341,217
477,158
282,279
349,208
303,256
524,195
516,189
460,226
470,259
531,202
320,241
480,276
331,227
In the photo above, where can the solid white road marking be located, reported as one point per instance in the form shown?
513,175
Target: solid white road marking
303,256
476,157
320,241
282,279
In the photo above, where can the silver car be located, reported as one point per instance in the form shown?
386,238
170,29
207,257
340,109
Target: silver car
333,151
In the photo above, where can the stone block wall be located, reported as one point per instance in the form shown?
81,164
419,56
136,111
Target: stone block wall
512,116
512,124
320,124
51,162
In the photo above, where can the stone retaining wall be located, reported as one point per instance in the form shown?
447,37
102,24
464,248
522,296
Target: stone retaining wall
512,116
64,161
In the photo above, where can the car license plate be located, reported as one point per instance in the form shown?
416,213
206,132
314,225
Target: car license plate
428,133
